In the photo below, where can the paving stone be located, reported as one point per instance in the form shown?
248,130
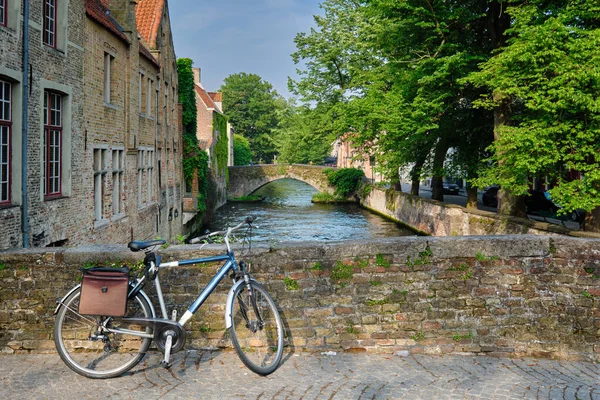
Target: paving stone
220,375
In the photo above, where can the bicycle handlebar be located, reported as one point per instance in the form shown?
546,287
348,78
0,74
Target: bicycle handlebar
226,233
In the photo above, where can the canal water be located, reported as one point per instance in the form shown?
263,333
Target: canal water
287,214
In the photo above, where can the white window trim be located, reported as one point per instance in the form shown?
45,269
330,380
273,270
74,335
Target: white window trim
100,172
67,116
118,170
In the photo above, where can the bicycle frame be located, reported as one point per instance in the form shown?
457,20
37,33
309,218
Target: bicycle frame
230,264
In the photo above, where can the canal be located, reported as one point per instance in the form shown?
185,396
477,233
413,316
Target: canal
287,214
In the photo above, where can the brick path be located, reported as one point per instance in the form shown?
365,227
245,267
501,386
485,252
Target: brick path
220,375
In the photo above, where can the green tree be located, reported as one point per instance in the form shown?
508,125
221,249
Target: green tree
242,155
250,104
388,73
549,74
301,137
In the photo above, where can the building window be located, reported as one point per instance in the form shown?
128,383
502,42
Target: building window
3,12
49,32
149,98
99,183
108,63
166,105
118,168
141,93
52,143
145,171
5,140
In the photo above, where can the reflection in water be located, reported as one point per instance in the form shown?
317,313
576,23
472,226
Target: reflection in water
287,214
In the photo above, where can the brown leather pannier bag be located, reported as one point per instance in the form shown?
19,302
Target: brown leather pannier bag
104,291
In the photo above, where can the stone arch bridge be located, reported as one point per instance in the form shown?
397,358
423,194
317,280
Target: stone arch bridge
243,180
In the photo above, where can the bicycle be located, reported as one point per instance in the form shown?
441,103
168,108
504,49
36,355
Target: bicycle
107,346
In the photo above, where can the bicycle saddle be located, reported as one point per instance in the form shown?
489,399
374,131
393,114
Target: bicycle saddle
137,246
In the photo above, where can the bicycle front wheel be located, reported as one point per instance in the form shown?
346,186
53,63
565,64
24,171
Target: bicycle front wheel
88,348
256,330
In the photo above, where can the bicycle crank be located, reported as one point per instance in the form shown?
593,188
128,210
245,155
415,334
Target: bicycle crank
163,329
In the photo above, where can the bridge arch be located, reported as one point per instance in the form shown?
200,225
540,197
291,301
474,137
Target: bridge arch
244,180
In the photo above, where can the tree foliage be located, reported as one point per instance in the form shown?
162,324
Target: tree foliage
550,72
250,104
242,155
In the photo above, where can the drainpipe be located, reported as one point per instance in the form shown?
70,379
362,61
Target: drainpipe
25,216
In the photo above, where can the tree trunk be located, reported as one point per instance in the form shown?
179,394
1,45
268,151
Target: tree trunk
592,221
471,197
414,187
415,176
395,183
499,23
437,189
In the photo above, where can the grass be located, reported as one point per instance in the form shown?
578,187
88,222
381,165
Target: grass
325,197
341,273
380,261
291,284
380,302
458,338
317,267
418,336
249,198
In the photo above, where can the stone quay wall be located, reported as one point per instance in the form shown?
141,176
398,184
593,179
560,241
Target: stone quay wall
513,295
436,218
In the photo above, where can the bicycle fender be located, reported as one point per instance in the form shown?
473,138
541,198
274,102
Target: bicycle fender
61,301
141,292
229,306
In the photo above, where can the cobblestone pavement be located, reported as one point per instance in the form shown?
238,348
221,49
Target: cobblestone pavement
220,375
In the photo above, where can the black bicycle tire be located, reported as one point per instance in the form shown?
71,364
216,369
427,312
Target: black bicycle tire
72,364
280,332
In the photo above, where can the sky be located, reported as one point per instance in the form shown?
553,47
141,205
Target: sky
224,37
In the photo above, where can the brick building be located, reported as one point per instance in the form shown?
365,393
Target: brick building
104,135
53,191
209,111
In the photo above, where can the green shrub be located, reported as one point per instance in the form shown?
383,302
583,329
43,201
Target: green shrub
345,180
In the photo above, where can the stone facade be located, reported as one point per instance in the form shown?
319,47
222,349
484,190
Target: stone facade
519,295
120,157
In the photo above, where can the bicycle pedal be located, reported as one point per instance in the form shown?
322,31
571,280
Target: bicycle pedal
165,365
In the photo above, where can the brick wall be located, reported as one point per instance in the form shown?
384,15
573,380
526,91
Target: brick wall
516,295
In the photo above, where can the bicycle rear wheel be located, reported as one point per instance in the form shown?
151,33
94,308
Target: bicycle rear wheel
93,352
256,330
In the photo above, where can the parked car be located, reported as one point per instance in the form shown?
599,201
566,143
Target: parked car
539,200
578,215
490,196
450,188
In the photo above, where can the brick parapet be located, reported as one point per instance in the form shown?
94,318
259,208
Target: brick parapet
514,295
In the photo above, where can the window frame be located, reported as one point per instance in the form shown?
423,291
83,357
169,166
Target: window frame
49,130
6,124
108,67
100,171
118,173
46,33
4,13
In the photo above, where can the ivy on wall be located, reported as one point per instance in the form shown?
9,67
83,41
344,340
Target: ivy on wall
222,146
195,159
187,94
